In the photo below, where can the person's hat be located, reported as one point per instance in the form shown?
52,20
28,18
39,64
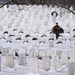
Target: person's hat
56,23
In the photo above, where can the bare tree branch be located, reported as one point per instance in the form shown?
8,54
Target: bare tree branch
9,2
16,4
61,5
5,4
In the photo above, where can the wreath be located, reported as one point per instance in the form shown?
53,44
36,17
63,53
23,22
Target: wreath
55,13
57,30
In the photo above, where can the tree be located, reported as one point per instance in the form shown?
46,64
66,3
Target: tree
67,4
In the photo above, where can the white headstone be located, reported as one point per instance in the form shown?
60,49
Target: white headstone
12,33
32,54
48,53
42,53
9,39
22,51
0,48
10,60
60,39
64,59
68,43
22,59
59,53
11,51
4,52
0,63
30,48
33,65
72,56
22,56
8,49
68,29
33,43
51,43
52,36
71,68
55,62
45,63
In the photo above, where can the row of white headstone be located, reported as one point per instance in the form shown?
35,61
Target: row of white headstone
57,60
45,64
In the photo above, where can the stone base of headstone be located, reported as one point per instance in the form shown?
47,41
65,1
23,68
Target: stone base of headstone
71,68
10,60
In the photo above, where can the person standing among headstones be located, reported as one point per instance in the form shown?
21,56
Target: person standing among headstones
57,30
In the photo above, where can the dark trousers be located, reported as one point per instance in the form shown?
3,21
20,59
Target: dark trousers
57,35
